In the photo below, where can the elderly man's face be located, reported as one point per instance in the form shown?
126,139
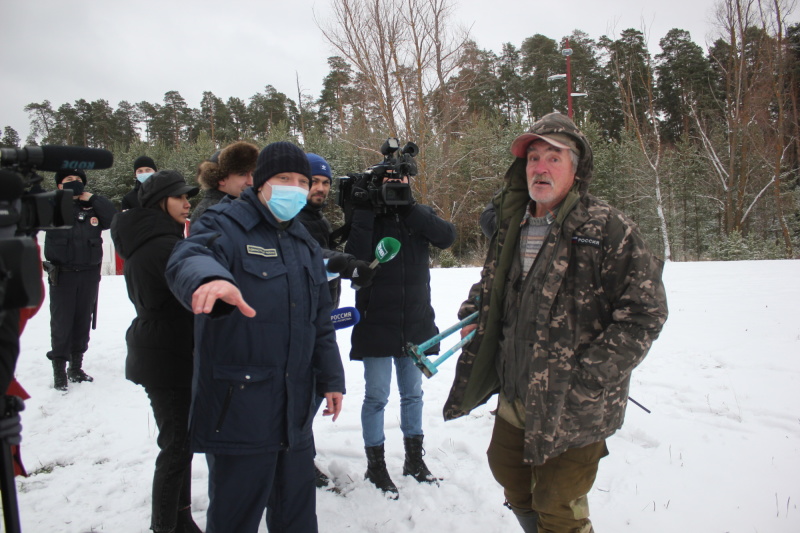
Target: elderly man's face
550,175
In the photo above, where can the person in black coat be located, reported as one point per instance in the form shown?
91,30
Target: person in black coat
320,228
73,258
160,338
143,168
395,310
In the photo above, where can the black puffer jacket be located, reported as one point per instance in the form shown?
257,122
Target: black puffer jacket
396,308
318,226
81,246
210,197
131,199
160,338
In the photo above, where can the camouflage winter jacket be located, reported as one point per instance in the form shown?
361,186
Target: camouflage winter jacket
596,303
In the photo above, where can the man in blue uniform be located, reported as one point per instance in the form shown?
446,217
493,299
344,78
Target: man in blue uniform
73,259
265,348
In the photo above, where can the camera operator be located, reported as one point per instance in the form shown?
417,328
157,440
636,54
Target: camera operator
73,263
395,309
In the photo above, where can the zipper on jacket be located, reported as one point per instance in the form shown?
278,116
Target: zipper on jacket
225,407
400,227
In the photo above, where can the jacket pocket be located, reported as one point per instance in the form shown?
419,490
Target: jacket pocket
243,394
95,251
585,406
315,284
267,276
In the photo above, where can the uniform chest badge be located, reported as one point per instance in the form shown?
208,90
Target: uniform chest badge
252,249
93,221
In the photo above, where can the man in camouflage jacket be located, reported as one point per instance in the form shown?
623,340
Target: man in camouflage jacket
570,301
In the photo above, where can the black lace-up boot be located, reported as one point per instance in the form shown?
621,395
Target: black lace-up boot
377,473
414,466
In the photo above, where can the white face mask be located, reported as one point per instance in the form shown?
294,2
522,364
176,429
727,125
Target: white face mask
143,176
286,201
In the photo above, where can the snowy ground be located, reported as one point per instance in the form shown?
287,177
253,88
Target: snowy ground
719,453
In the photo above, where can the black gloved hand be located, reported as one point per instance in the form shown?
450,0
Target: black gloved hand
359,195
404,210
360,272
10,423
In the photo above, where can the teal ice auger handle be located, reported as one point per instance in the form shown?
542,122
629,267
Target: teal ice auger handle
417,351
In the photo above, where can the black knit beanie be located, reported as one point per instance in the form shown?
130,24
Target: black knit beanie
144,161
279,157
64,172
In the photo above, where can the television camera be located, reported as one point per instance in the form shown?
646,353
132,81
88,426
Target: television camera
26,208
369,186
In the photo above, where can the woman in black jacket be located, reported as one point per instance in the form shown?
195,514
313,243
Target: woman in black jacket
160,338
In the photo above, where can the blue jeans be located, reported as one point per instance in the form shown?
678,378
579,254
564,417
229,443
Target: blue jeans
377,384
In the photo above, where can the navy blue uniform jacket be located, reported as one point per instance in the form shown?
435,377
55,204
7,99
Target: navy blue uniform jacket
254,378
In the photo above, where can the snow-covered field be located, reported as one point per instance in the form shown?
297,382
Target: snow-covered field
720,452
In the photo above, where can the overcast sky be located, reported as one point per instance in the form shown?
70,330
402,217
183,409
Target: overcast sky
64,50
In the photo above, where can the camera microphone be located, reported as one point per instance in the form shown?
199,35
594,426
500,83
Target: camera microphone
54,158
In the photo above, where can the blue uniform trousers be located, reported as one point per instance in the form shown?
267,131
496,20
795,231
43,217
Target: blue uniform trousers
240,487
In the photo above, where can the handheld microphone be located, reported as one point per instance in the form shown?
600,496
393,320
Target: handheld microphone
54,158
344,317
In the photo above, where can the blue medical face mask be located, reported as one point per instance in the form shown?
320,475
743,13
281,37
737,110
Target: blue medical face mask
75,186
286,201
143,176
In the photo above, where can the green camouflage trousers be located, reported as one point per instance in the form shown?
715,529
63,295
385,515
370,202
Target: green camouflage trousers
555,490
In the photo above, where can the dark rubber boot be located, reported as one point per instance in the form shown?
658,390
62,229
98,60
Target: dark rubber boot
377,473
60,374
75,373
414,466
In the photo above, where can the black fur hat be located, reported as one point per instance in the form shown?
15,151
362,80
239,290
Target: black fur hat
237,158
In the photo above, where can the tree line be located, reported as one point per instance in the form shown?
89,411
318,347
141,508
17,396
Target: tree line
701,148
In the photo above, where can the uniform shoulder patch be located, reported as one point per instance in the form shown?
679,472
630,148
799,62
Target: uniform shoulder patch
252,249
591,241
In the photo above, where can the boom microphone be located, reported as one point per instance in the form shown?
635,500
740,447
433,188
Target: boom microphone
54,158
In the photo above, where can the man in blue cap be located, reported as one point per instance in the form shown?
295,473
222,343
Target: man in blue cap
320,228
